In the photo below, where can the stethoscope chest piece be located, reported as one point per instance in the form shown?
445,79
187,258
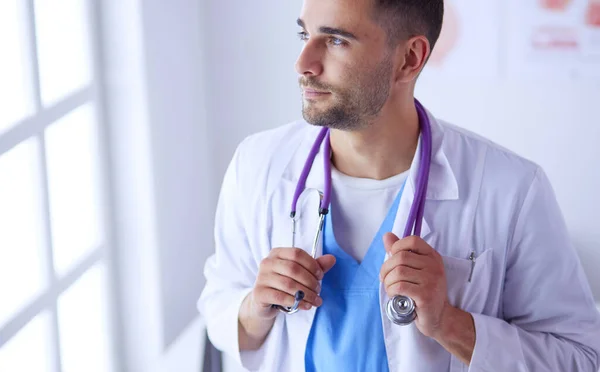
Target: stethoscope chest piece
401,310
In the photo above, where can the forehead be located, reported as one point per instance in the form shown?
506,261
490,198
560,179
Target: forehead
354,15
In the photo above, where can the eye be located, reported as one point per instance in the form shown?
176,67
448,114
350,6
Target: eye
303,35
337,41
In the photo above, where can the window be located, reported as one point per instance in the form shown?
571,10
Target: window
54,288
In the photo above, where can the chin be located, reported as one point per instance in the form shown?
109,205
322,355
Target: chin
313,116
317,121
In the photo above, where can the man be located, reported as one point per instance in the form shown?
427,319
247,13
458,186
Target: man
496,282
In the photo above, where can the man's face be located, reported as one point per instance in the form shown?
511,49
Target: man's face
345,66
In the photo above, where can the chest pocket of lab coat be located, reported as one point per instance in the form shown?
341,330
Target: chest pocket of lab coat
469,281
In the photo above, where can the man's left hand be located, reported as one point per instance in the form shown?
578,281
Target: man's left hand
416,270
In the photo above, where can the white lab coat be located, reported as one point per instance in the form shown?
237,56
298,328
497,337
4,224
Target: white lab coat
532,305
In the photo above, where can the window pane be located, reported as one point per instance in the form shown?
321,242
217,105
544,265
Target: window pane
63,47
72,154
13,64
83,324
30,349
22,264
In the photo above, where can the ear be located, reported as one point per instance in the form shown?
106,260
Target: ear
414,55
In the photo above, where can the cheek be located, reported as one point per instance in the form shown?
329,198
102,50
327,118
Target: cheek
341,65
340,73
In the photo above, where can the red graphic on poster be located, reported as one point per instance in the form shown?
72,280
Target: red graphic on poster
555,4
555,38
592,13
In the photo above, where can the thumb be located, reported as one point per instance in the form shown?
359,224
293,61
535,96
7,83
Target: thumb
388,241
326,262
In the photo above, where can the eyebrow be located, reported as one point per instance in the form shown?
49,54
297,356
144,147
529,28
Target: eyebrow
331,30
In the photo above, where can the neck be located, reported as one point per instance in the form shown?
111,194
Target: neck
385,148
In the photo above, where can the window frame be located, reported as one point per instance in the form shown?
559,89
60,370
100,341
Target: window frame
33,127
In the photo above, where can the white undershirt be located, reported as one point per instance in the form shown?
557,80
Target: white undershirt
358,208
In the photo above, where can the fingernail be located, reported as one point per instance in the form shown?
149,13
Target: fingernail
318,289
319,301
319,274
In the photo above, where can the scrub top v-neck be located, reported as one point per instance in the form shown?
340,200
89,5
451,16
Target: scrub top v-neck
347,333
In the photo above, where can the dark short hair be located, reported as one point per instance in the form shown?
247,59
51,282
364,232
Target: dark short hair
407,18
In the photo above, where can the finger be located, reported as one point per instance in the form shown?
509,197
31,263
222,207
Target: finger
302,258
326,262
388,241
403,258
411,243
290,286
296,272
267,296
404,274
403,289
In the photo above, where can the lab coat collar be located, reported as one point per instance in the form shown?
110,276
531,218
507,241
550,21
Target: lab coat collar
442,181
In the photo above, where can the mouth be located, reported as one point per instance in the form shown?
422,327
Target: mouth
313,93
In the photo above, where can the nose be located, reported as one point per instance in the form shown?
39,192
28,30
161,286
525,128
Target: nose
309,61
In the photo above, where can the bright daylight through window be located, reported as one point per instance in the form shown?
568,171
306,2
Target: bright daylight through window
54,312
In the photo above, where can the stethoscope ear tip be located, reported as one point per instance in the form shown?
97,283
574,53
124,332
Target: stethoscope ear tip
299,296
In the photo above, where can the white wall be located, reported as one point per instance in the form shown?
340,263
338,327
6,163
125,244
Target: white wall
252,84
174,53
152,67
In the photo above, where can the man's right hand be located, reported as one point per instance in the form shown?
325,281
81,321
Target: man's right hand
280,275
284,272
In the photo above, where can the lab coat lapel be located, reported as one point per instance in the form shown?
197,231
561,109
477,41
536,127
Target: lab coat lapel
404,342
308,206
404,207
307,222
442,182
308,202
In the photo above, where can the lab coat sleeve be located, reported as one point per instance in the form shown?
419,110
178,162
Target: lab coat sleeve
550,321
231,271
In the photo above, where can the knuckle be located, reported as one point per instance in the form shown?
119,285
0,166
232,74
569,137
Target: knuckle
260,279
442,271
314,284
265,264
274,252
288,284
279,297
258,292
400,288
296,253
310,296
393,290
295,269
403,257
314,267
400,271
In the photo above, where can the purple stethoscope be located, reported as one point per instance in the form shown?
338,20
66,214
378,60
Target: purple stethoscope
399,309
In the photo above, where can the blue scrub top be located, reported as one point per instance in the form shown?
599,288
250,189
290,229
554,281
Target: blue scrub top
346,333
